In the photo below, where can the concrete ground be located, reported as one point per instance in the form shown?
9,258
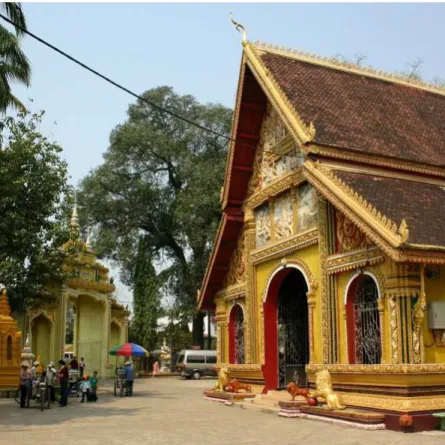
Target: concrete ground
173,411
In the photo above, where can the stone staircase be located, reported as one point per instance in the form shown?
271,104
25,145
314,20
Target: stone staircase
265,403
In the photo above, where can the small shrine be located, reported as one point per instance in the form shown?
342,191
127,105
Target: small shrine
10,340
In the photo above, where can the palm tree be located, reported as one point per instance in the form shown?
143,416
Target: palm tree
14,65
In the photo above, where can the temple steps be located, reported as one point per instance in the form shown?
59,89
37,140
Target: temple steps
260,405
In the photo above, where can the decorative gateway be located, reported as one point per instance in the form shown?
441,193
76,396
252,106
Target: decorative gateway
340,256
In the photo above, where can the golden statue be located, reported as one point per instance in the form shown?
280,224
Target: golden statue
223,379
324,390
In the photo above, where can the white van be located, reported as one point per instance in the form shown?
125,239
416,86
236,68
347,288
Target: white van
196,363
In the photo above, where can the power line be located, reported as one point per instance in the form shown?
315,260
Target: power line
128,91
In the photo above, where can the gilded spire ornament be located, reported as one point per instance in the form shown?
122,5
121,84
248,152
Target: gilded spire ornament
5,310
74,223
88,242
239,28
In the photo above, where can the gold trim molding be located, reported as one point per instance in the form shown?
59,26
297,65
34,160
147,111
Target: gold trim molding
352,260
78,283
232,292
280,185
424,368
241,367
284,248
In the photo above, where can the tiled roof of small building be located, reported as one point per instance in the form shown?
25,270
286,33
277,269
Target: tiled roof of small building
363,113
421,204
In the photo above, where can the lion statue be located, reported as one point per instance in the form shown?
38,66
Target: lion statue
324,390
223,379
295,391
235,386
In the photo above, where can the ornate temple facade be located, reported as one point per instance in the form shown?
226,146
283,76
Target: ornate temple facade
330,252
79,314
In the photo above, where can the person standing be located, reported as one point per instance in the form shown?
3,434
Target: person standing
129,378
156,369
74,364
63,377
50,380
24,384
81,366
85,387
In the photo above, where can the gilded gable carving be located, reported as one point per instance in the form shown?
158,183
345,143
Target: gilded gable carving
283,216
349,237
262,225
238,265
277,153
307,207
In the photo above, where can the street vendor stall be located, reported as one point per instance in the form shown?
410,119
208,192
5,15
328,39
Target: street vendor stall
127,350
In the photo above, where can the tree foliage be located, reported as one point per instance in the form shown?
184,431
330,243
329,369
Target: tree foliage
14,66
33,182
146,299
161,178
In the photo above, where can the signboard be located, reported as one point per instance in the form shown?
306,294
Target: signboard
196,347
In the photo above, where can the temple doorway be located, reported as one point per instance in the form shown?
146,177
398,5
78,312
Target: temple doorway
286,329
41,338
293,338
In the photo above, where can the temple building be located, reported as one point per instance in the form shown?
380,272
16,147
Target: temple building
80,314
330,253
10,340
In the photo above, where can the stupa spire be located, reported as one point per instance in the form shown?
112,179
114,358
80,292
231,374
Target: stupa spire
5,310
74,223
88,242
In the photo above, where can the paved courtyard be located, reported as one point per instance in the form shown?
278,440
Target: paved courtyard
171,411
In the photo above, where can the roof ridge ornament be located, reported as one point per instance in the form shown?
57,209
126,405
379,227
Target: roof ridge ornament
239,28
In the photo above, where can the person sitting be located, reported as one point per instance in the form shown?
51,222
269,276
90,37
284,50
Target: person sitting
85,387
74,363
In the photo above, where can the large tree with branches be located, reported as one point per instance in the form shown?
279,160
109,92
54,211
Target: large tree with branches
160,180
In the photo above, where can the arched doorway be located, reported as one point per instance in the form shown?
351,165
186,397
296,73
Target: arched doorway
286,329
236,335
41,338
363,322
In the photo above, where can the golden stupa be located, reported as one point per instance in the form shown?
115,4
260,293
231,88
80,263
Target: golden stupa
10,341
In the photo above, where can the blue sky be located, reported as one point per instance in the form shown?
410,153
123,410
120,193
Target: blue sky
195,49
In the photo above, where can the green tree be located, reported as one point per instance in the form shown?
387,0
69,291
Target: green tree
146,299
14,66
161,177
33,182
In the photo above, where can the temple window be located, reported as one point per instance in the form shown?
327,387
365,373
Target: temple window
236,334
363,323
9,348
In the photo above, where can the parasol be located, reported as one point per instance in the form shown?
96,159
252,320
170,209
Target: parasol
129,350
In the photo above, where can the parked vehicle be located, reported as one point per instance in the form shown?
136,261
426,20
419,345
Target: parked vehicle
196,363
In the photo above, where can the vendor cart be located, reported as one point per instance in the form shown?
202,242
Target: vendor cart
119,383
74,382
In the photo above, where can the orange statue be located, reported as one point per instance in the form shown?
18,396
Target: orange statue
295,391
235,385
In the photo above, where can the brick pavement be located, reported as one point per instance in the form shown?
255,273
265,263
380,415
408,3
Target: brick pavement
170,411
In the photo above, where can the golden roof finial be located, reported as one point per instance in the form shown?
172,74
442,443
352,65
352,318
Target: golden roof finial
74,224
88,242
5,310
404,231
239,28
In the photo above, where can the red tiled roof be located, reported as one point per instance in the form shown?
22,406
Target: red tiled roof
363,113
421,205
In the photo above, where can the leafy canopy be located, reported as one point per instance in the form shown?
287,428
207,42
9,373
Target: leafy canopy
33,181
161,179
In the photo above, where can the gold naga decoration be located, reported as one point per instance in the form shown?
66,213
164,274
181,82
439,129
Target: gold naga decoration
240,28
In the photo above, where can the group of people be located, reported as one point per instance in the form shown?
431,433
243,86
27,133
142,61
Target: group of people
30,381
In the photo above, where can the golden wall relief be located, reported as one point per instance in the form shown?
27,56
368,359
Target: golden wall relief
307,207
277,154
349,237
262,225
238,264
283,216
